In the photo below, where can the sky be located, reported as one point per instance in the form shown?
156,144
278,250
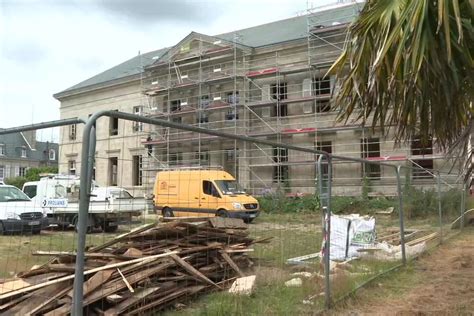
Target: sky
46,46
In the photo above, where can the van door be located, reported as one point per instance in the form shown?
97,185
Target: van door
209,198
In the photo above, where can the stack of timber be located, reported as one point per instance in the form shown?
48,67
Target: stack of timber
148,269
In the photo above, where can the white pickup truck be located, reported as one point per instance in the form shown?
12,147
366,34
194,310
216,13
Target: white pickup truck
58,195
18,213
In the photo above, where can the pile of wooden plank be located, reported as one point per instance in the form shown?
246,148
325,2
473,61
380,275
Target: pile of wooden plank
140,272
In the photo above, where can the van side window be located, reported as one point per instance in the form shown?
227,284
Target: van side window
209,188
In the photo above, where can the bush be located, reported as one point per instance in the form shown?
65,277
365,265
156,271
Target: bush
279,203
423,203
17,182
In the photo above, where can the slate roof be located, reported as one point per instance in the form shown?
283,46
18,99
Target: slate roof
257,36
13,143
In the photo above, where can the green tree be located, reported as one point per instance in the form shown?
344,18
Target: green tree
408,65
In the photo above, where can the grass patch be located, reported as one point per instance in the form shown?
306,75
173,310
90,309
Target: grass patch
16,250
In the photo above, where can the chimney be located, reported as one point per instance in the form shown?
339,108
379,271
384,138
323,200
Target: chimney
30,137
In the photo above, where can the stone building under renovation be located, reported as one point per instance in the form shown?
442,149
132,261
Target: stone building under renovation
269,81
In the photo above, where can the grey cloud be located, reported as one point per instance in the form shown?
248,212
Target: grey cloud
22,51
151,11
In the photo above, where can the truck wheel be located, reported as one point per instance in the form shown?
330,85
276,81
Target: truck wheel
222,213
109,228
89,226
167,212
2,229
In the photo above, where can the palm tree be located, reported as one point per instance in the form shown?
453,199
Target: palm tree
407,65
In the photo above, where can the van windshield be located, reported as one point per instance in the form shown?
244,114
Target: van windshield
229,187
10,194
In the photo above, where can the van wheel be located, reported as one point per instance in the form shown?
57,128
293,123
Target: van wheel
222,213
167,212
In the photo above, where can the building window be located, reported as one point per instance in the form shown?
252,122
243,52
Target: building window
203,117
72,167
233,98
280,92
175,106
231,154
323,106
113,171
202,157
423,166
22,171
280,171
23,152
321,86
72,132
2,172
175,159
113,126
204,102
137,170
370,147
52,154
232,114
137,126
327,147
2,149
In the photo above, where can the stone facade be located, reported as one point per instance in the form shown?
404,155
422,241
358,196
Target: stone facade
278,92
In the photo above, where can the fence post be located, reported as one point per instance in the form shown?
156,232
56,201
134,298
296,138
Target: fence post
91,159
87,159
463,205
400,215
325,199
440,211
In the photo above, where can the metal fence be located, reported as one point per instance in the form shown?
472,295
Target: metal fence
317,253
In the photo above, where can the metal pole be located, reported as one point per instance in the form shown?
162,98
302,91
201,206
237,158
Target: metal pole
440,211
463,206
91,158
87,155
328,258
42,125
324,198
400,214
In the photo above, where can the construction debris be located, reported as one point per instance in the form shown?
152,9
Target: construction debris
243,286
140,272
467,219
296,282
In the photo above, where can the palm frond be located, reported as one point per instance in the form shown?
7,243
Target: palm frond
408,65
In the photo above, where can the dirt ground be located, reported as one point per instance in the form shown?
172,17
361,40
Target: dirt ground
444,285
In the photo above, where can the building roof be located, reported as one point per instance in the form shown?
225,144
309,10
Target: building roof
257,36
13,144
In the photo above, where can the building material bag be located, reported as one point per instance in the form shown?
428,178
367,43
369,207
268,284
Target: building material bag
361,235
339,237
349,233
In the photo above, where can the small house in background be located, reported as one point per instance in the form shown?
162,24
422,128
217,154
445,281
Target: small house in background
20,151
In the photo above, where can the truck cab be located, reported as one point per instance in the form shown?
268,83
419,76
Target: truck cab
18,213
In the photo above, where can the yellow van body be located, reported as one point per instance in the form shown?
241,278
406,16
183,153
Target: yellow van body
202,193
